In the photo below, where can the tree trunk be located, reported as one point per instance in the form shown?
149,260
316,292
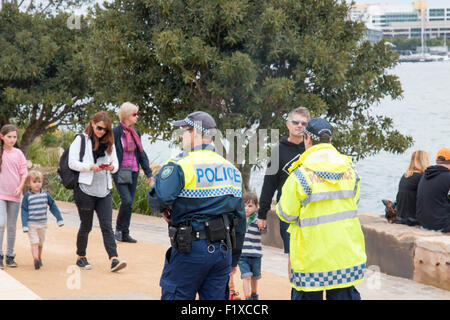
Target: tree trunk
3,121
246,173
28,137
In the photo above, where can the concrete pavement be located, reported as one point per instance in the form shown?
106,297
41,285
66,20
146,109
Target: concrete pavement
60,279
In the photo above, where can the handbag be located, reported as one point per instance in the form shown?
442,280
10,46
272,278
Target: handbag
124,176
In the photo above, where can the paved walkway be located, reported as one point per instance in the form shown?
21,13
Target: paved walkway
60,279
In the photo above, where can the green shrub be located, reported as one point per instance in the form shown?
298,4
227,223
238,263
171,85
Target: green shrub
50,140
45,157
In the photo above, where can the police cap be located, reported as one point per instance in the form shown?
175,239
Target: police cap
198,119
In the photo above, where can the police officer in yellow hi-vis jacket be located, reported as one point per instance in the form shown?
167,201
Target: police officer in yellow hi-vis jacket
200,195
320,201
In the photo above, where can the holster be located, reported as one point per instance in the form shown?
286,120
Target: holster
216,230
181,238
231,230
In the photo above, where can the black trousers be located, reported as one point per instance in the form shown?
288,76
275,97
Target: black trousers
126,193
86,205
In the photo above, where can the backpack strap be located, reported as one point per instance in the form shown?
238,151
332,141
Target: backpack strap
83,145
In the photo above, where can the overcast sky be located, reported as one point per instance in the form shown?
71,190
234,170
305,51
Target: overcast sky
445,3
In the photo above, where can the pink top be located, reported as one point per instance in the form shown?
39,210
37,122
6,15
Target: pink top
129,158
14,168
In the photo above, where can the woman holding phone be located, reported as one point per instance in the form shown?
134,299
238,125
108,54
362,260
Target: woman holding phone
93,191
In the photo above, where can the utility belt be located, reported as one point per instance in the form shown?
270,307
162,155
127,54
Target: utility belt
219,229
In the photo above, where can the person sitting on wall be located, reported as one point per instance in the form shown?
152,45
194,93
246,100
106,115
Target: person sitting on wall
403,210
433,201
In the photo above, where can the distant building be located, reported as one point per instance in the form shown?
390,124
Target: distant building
373,35
406,20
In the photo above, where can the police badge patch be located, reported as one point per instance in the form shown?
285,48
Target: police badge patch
167,171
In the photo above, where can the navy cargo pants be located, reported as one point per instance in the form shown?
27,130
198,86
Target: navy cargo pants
200,271
349,293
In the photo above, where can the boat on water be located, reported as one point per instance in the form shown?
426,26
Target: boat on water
426,57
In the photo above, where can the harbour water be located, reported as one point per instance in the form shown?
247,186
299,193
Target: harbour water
423,113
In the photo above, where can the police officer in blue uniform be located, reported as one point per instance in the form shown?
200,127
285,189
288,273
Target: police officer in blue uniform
200,195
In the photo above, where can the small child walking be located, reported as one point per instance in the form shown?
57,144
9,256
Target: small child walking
250,261
13,172
34,214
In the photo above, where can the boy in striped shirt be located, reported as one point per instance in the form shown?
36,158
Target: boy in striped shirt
250,261
34,214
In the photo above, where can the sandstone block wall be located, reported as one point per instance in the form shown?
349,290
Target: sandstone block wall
398,250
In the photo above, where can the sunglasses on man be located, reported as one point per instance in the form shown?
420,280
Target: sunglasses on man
297,122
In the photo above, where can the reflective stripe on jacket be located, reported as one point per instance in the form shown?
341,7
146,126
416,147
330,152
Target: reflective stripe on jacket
320,199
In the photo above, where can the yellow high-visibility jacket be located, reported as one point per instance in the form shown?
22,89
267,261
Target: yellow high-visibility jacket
320,201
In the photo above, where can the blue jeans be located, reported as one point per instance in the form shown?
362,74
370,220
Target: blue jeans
250,267
349,293
126,193
186,274
9,211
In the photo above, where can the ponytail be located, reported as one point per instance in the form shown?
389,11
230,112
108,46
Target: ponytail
1,154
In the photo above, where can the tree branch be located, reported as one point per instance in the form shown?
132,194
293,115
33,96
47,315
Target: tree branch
30,5
48,5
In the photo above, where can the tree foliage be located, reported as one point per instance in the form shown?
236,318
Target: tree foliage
46,6
43,83
248,63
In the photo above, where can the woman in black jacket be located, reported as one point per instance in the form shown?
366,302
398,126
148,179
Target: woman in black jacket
405,203
130,154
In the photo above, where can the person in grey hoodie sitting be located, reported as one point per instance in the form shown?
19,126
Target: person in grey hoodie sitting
93,191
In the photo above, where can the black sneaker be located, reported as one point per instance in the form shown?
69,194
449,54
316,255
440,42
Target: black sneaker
117,265
37,264
1,263
40,262
128,238
10,262
254,296
82,263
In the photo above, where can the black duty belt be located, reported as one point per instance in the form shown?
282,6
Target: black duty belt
199,235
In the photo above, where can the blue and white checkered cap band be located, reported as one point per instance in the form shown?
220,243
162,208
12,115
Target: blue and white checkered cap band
312,135
326,279
196,125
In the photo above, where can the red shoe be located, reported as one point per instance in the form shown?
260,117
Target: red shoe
234,296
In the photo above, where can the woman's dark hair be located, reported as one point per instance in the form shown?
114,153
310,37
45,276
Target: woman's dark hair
7,128
107,138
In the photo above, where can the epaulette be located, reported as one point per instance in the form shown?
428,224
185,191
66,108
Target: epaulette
180,156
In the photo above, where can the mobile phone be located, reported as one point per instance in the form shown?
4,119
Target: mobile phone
104,165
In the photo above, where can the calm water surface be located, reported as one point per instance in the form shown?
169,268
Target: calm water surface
423,113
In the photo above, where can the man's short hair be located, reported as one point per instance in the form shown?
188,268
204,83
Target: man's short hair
301,111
